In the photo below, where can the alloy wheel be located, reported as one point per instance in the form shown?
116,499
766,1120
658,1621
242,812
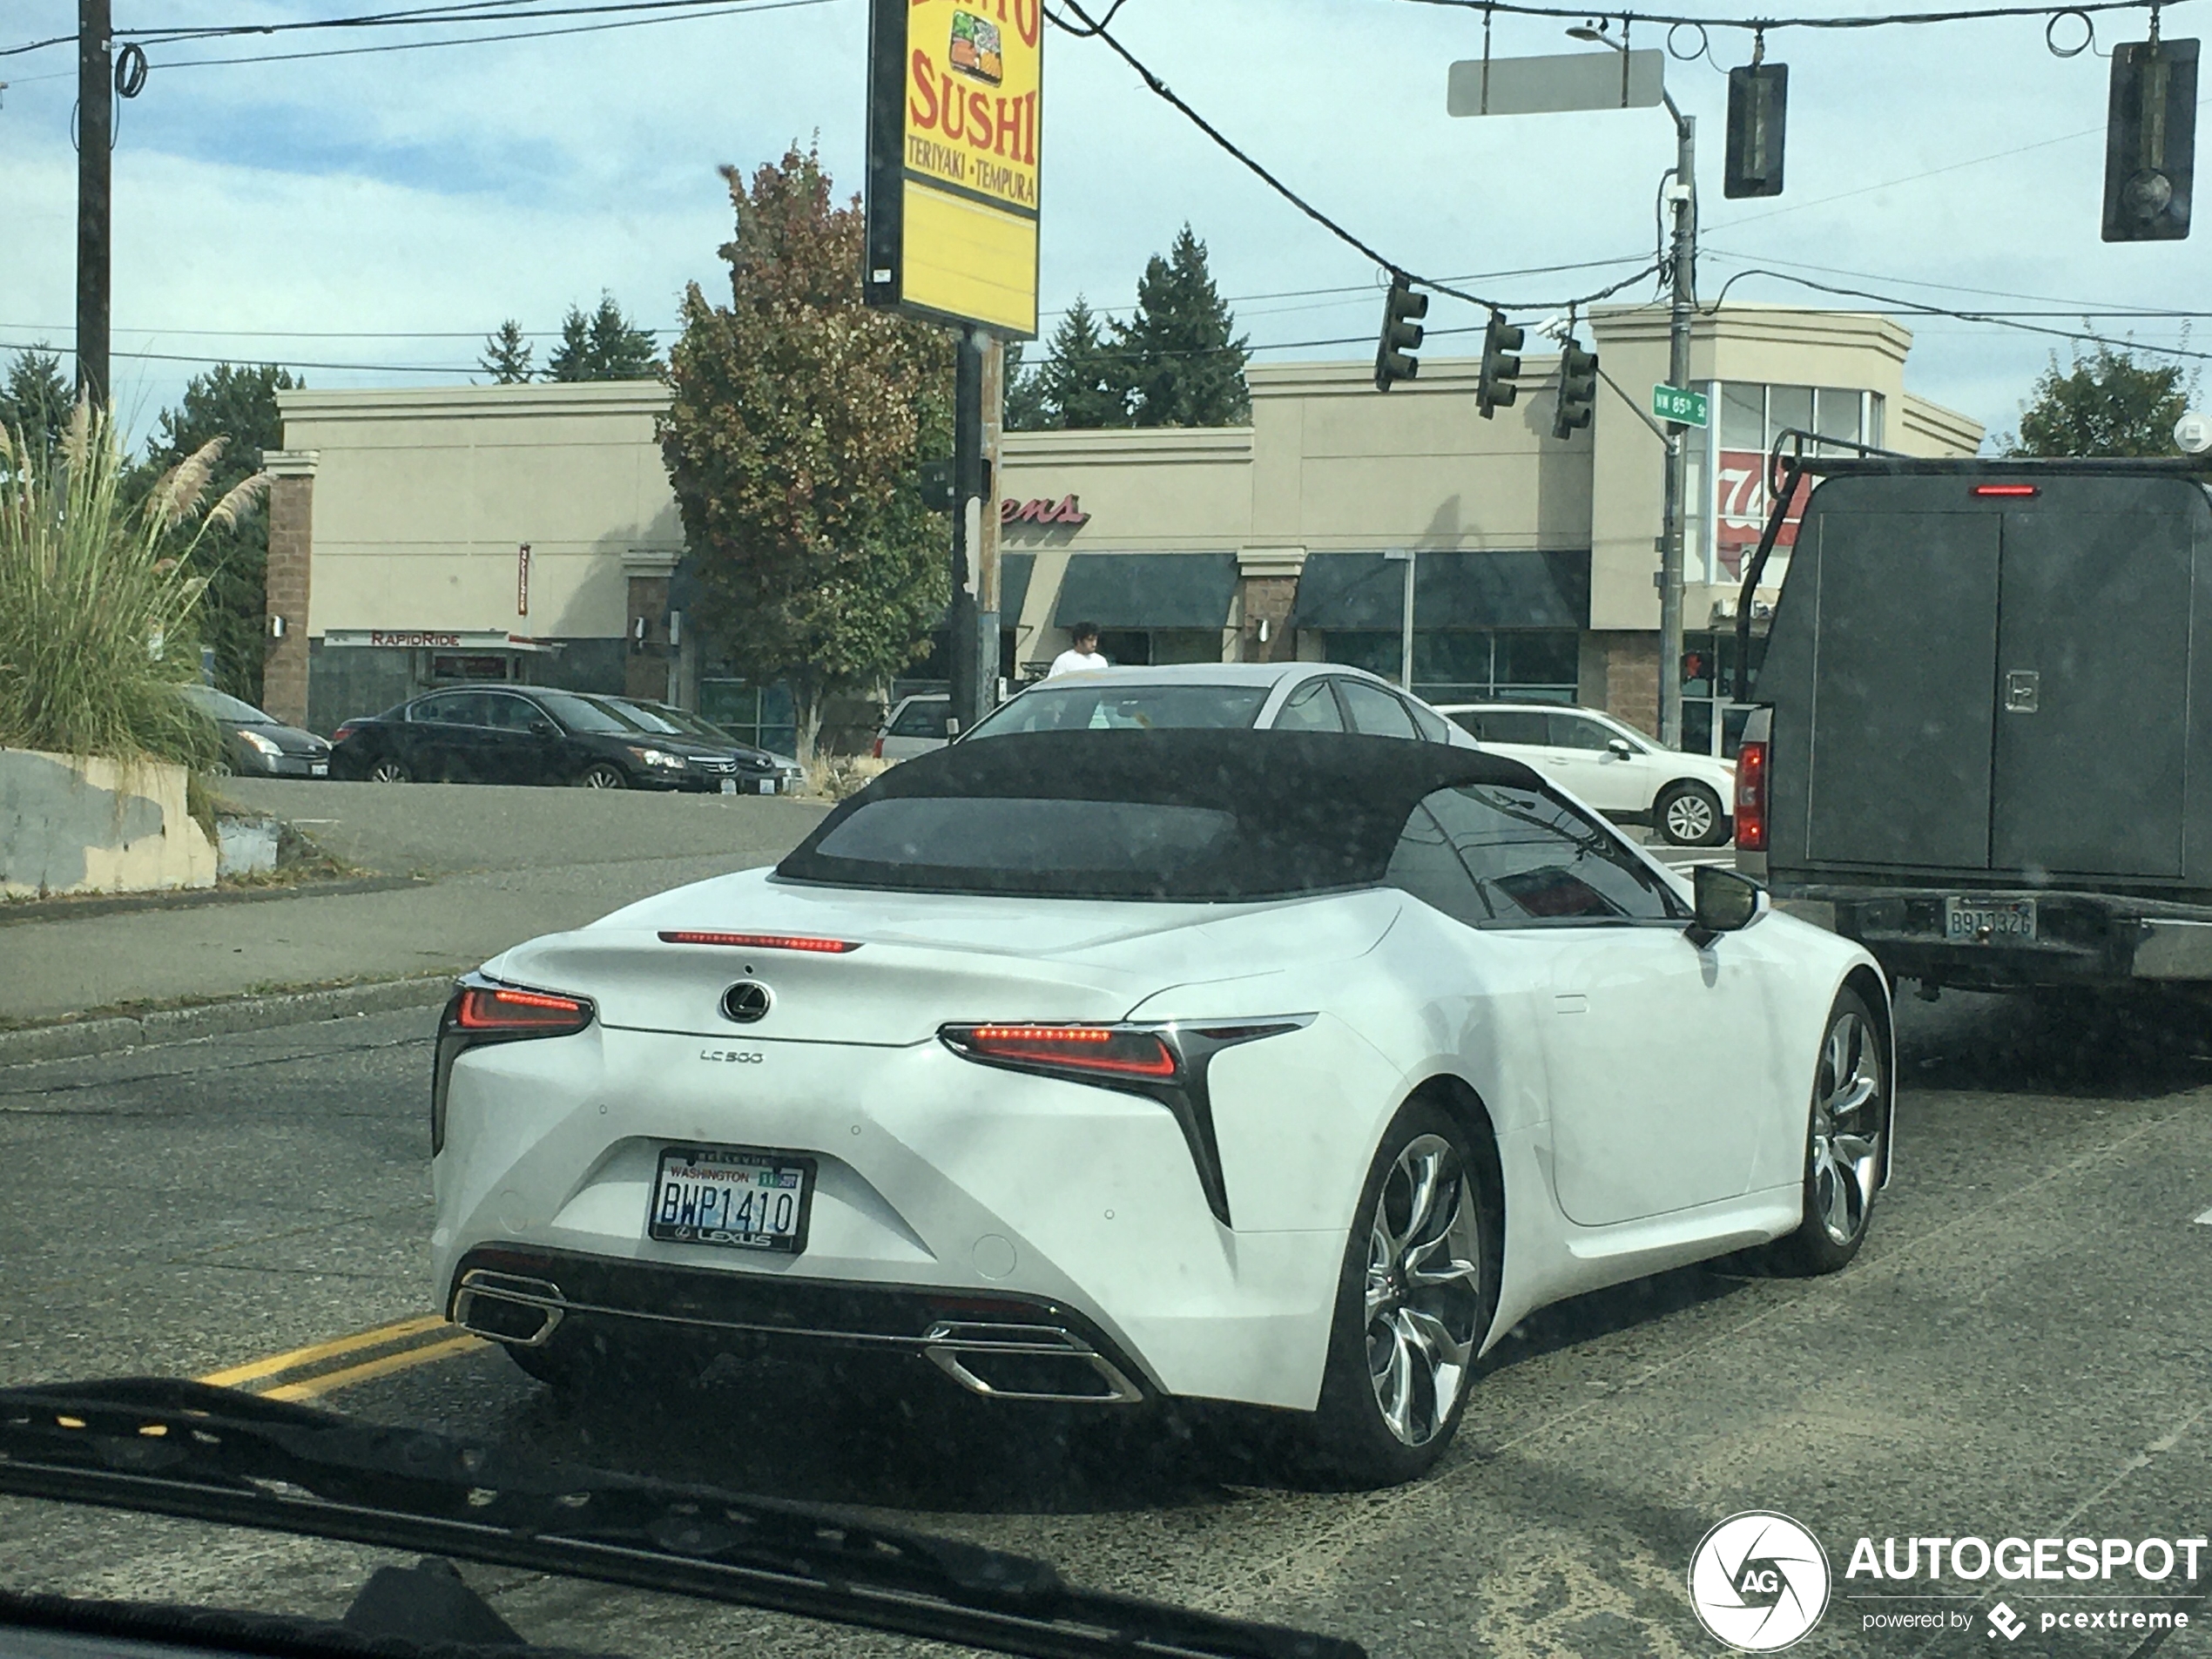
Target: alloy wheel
1689,818
602,777
1846,1155
388,770
1424,1290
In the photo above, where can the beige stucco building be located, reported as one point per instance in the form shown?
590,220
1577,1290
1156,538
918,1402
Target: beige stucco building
530,531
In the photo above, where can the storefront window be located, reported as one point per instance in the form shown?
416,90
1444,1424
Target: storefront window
756,714
1471,665
1728,501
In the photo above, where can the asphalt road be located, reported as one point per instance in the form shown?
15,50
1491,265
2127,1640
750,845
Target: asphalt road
2021,1350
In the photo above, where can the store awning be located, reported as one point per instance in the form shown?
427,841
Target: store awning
1147,590
1363,592
1014,585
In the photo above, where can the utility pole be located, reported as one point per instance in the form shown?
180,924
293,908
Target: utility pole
1684,260
95,136
973,679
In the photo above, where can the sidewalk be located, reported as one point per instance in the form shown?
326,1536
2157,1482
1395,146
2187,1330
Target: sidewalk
501,866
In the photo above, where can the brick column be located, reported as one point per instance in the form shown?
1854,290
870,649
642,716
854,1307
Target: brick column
291,547
1632,679
1267,581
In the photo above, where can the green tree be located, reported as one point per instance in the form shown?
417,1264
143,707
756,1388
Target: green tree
793,442
233,408
507,354
2108,403
605,346
1180,363
36,400
1025,408
1083,383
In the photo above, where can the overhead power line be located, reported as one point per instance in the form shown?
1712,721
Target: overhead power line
1769,25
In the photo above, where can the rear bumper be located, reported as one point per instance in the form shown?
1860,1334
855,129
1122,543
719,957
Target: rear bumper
2081,937
1004,1346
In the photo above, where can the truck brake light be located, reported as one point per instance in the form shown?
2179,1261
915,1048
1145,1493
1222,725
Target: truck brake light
1750,798
2008,490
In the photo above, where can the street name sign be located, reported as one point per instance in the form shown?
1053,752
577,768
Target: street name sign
1607,80
952,182
1684,409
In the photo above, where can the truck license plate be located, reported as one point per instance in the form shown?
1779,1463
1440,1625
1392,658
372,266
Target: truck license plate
1987,921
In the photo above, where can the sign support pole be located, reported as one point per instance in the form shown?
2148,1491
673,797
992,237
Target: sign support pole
971,681
95,138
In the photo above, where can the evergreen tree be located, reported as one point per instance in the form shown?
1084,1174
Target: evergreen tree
2111,404
237,404
36,400
605,346
507,355
1025,408
1180,365
1083,383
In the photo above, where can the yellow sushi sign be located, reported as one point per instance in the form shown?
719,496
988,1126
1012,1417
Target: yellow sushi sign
953,161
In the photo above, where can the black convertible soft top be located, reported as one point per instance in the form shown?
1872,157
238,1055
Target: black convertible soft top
1194,815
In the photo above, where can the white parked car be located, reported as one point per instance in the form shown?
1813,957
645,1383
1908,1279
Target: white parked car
915,727
1109,1067
1289,697
1612,766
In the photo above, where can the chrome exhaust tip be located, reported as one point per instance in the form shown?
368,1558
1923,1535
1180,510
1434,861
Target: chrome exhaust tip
1035,1362
522,1313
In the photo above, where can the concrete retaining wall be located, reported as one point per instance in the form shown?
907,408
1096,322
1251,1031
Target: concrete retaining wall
69,825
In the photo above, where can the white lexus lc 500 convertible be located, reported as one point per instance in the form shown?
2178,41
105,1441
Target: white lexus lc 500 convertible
1278,1069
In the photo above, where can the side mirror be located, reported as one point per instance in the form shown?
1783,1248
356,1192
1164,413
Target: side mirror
544,729
1621,748
1725,903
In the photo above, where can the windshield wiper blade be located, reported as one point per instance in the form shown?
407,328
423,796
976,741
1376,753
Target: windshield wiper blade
185,1449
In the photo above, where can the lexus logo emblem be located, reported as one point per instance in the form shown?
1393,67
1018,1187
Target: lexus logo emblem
745,1002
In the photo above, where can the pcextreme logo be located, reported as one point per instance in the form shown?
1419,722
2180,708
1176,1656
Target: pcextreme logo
1759,1582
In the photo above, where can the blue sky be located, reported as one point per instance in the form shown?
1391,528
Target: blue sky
389,209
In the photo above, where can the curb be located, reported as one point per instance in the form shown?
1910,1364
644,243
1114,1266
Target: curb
24,910
112,1034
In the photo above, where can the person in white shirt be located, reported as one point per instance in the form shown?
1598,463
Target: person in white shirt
1082,654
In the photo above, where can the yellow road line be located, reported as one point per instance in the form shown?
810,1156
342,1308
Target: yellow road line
330,1381
294,1358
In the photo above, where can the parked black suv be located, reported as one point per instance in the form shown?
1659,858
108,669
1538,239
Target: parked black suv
518,734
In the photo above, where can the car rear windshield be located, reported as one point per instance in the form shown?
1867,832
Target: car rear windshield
1110,708
1115,842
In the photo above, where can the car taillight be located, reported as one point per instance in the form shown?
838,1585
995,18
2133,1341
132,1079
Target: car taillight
762,941
876,753
1750,798
346,730
1134,1052
483,1011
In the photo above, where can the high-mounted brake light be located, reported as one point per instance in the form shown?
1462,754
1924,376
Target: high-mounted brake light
2008,489
1750,798
762,941
486,1008
1116,1051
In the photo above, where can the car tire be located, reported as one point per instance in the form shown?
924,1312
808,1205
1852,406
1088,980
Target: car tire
602,774
221,769
389,769
1688,815
1846,1133
1406,1332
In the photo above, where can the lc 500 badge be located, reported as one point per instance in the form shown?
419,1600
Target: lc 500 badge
733,1057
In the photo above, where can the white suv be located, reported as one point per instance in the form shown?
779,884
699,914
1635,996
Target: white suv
1610,766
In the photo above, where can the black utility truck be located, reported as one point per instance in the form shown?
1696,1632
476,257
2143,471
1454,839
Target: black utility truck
1983,726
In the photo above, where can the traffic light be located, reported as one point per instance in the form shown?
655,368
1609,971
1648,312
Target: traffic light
1758,98
2150,141
1495,389
1401,335
937,486
1577,389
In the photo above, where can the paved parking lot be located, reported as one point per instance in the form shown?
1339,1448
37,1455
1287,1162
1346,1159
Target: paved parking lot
2025,1348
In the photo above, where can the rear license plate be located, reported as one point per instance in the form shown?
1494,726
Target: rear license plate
1982,921
726,1195
319,769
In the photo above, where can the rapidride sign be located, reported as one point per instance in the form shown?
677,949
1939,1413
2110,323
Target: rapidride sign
953,124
